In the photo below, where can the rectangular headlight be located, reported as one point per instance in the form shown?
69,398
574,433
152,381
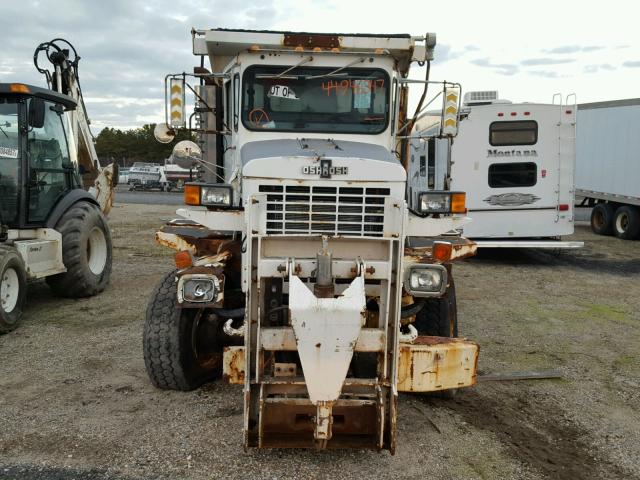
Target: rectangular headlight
442,202
215,195
209,195
198,288
426,280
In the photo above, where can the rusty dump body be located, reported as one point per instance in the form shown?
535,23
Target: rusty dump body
308,252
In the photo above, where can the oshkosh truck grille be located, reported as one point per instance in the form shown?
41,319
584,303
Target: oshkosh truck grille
299,209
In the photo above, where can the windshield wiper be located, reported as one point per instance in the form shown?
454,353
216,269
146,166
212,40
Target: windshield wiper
2,130
333,73
281,74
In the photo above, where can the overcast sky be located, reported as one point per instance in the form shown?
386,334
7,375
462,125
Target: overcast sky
526,50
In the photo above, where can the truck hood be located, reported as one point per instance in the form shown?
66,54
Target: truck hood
310,159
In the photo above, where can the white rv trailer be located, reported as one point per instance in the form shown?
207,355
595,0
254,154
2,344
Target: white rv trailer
515,161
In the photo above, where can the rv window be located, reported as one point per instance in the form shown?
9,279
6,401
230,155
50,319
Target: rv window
513,133
506,175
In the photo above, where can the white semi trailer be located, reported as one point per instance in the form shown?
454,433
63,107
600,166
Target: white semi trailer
303,271
608,165
515,161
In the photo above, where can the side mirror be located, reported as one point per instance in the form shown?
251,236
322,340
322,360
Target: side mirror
36,112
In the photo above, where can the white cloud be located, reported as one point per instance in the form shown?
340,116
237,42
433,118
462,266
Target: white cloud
127,46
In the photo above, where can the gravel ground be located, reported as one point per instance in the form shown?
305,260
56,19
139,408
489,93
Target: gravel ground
75,401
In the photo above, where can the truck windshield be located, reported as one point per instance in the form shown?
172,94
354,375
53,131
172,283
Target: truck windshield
353,100
9,161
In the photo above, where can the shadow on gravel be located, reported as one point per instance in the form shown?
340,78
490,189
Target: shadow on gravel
581,260
533,434
28,472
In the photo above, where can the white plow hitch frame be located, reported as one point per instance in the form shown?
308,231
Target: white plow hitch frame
326,331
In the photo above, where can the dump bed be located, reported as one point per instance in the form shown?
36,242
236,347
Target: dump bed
608,151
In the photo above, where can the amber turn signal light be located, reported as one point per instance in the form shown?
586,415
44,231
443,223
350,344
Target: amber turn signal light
192,194
183,259
442,251
458,202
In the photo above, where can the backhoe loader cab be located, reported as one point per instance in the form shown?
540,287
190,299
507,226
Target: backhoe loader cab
302,271
50,226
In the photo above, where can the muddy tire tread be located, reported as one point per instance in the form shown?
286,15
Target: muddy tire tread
78,281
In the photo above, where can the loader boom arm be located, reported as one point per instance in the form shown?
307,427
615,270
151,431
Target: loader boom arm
99,181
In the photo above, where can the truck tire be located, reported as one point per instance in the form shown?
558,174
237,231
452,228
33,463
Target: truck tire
439,317
602,219
86,252
13,288
182,346
626,223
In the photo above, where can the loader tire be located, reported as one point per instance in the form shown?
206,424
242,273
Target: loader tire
13,289
439,317
602,219
182,346
626,222
86,252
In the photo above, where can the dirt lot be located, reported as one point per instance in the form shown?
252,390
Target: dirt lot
75,401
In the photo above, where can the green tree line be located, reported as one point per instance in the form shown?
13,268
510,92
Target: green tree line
137,145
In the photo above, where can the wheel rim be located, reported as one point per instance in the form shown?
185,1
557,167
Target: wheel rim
622,222
598,219
96,251
9,290
202,333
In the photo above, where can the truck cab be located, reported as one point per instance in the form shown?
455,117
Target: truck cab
302,272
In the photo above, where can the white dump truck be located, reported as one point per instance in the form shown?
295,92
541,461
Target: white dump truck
515,161
607,166
302,270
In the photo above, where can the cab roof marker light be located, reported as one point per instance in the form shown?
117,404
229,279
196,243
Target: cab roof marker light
19,88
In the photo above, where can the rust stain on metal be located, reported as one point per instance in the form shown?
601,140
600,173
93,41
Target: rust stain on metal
437,363
461,248
233,366
311,41
174,242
